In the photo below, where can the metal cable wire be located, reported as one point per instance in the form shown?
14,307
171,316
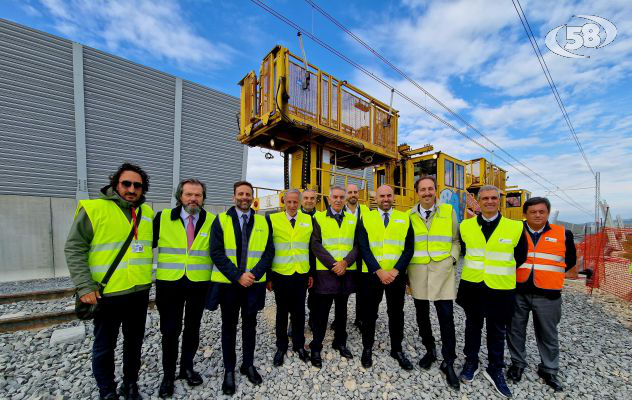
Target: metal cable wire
337,53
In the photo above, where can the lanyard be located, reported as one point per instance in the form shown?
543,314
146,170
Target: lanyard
134,223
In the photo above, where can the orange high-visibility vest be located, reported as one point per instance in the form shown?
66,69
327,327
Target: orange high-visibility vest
545,260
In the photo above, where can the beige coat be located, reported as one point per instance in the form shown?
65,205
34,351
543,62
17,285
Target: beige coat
436,280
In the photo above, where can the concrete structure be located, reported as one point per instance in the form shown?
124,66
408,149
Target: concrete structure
70,114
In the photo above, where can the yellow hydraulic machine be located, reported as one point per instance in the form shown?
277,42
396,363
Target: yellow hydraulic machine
514,200
318,122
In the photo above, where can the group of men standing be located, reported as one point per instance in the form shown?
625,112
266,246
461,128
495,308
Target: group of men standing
319,258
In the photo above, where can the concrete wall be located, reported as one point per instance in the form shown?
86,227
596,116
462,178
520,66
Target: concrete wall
33,232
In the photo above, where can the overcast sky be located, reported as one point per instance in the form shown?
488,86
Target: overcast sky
473,55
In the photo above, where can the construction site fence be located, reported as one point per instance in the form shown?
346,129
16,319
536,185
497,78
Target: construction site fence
608,254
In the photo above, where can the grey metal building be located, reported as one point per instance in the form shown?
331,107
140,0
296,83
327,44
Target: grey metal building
70,114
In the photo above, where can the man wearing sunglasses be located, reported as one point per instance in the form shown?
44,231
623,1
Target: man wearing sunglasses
98,233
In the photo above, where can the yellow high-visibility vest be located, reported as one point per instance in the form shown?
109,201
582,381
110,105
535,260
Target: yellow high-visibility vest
435,244
386,243
111,228
175,259
337,240
493,261
256,244
291,245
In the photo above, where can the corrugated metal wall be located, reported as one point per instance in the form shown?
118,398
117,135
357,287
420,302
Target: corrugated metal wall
209,148
37,131
129,116
340,180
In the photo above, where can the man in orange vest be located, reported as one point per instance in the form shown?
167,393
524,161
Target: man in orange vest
539,282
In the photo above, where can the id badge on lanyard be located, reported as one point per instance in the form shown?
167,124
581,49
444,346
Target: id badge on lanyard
137,247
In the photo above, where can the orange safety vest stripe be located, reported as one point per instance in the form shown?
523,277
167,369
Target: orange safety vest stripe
546,260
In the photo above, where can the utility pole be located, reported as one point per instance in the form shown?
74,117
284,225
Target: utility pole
597,196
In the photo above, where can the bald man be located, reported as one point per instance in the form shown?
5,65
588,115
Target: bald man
386,242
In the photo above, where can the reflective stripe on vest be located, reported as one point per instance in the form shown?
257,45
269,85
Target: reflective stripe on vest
111,227
386,251
338,241
291,245
490,261
174,261
256,244
546,259
435,244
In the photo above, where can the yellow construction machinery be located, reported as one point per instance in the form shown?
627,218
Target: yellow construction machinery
322,124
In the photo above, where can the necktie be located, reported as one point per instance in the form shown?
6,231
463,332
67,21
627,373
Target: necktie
190,232
243,264
536,237
428,214
386,219
338,218
293,222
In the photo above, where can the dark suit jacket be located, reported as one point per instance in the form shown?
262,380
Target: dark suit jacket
175,214
257,292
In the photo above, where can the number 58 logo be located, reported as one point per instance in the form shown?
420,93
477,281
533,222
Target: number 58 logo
589,35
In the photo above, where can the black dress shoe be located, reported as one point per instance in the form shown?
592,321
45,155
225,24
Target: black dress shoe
343,350
303,355
166,388
514,373
450,375
316,360
403,361
192,377
252,374
109,396
278,358
228,387
367,358
551,380
427,360
129,391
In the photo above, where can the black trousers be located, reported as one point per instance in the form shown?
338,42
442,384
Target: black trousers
234,299
496,331
445,313
175,299
290,292
372,290
130,312
322,306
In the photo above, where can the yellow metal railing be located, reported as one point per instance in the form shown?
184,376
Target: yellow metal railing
333,106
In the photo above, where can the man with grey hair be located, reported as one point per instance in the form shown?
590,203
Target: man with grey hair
493,246
333,245
183,275
289,275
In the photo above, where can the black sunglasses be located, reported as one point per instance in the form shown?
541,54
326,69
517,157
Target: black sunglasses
137,185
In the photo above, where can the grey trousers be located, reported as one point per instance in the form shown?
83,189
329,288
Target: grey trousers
546,316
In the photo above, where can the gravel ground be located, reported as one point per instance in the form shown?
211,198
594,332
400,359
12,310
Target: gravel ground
35,285
595,357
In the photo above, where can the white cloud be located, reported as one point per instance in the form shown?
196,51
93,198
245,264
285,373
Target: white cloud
158,29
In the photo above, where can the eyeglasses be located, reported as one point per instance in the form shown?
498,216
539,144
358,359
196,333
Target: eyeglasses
137,185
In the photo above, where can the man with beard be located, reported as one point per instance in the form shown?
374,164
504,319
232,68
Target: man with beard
96,238
242,251
289,274
333,245
386,241
182,235
308,206
358,210
432,274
